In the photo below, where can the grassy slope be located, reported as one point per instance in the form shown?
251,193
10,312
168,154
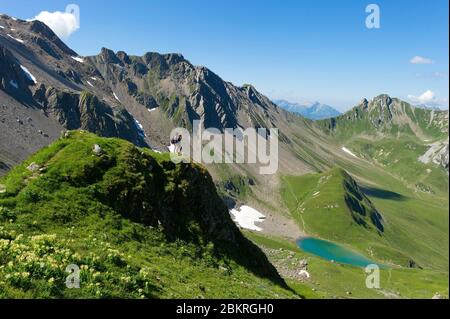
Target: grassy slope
117,216
417,221
394,145
317,202
411,196
400,156
331,280
416,227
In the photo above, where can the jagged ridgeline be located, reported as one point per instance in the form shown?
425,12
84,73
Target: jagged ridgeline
135,223
388,116
113,94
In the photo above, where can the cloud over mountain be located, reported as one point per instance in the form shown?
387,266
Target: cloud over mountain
428,98
62,23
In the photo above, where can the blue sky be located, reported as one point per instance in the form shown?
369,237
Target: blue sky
297,50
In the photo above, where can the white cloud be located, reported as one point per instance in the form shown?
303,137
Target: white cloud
428,98
433,75
62,23
420,60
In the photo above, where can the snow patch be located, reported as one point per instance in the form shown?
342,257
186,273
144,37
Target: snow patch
89,83
115,96
93,78
14,84
17,39
153,109
2,27
138,124
346,150
28,74
140,128
246,217
78,59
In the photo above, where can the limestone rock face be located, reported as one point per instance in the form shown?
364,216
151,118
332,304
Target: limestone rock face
437,153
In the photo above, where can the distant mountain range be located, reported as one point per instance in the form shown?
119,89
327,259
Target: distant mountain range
314,111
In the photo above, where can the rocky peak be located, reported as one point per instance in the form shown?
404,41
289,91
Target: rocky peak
39,33
42,29
383,100
151,56
249,90
6,17
364,104
108,56
174,58
123,56
252,93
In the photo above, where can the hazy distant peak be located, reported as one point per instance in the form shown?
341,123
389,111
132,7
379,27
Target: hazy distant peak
313,111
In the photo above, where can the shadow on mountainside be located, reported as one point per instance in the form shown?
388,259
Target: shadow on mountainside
382,193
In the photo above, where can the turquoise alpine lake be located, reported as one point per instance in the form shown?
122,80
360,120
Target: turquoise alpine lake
333,252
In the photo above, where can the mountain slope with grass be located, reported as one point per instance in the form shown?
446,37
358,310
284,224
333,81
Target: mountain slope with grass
400,228
332,205
136,224
386,116
407,141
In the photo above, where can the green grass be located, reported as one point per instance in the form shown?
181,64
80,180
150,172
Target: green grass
400,157
415,225
330,205
137,225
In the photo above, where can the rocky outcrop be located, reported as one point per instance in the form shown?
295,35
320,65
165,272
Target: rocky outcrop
48,40
86,111
444,158
13,80
437,153
360,207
